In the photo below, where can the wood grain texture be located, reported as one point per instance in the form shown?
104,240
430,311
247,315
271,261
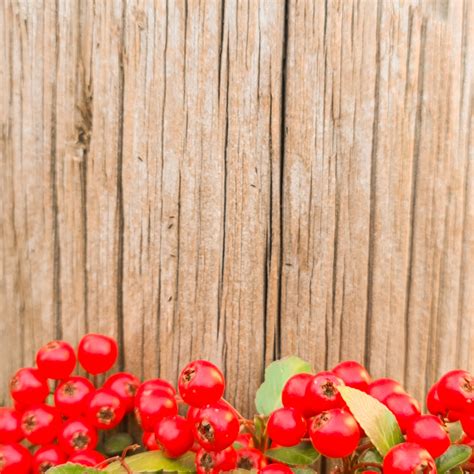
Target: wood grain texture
239,181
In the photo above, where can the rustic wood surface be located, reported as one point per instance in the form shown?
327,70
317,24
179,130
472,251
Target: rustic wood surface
239,180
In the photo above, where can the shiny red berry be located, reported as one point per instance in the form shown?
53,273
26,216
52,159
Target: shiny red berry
294,393
408,458
47,457
201,383
153,406
382,388
276,468
467,422
10,426
125,386
404,407
56,360
433,402
174,435
40,424
250,459
286,426
208,462
454,416
322,392
97,353
72,395
456,390
334,433
14,459
149,441
155,384
87,458
216,427
430,433
104,409
29,387
353,374
244,440
77,435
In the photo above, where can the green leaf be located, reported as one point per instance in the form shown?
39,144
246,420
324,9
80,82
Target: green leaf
455,432
117,443
268,396
70,468
456,470
303,470
260,423
154,461
302,454
371,455
378,422
456,455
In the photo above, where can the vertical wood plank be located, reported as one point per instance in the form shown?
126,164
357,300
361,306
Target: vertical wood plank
202,125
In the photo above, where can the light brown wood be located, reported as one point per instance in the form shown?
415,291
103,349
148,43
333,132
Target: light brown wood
239,181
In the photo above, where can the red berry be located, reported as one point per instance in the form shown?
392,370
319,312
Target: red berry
14,459
276,468
456,390
404,407
201,383
56,360
174,435
429,432
97,353
433,403
245,440
10,426
334,433
408,458
192,412
47,457
72,395
29,387
382,388
155,384
454,416
467,422
294,393
215,461
250,459
286,426
87,458
322,392
153,406
353,374
104,409
149,441
40,424
77,435
216,427
125,386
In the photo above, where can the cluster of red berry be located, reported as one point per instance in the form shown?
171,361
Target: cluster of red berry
313,406
59,417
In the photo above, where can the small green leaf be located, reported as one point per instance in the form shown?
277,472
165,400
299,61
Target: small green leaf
277,373
371,455
378,422
260,423
456,455
455,432
117,443
303,470
154,461
302,454
70,468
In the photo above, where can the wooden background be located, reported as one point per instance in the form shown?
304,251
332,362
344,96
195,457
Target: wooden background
239,180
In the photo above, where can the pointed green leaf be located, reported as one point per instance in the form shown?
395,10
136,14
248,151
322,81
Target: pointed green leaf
302,454
277,373
378,422
371,455
456,455
154,461
70,468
